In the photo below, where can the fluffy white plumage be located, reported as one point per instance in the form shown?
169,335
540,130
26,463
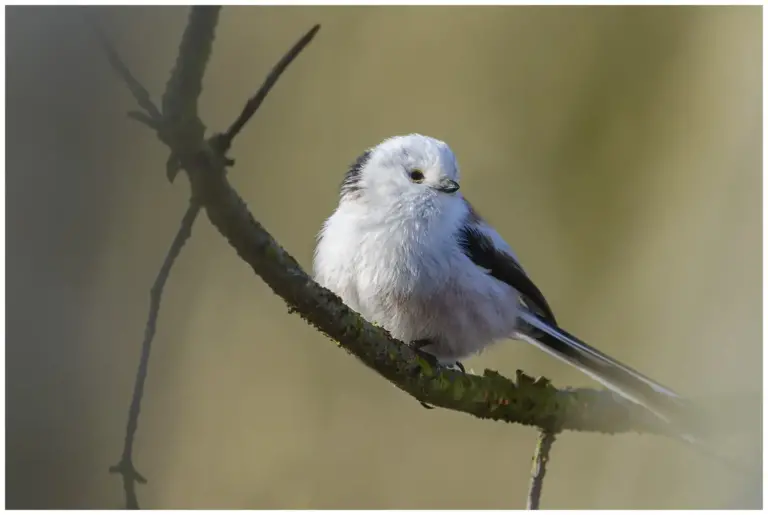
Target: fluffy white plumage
407,251
390,252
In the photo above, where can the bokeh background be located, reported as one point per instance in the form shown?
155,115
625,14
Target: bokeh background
618,148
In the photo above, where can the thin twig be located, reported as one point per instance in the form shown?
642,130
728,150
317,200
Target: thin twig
539,468
139,92
152,118
225,140
125,466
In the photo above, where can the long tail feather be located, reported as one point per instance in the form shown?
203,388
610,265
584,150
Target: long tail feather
618,377
629,383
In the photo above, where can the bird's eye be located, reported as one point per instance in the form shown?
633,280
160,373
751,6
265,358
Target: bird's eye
416,175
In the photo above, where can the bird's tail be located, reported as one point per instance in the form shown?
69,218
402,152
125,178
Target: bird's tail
627,382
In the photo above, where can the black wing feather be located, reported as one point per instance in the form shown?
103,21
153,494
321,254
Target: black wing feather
481,250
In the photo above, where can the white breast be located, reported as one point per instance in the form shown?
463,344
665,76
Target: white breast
407,273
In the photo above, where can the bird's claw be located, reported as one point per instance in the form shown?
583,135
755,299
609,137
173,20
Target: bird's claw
430,359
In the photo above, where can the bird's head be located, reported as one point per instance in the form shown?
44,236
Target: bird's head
411,168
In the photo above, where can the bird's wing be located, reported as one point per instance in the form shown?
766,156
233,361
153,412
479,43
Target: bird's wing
478,244
482,246
487,249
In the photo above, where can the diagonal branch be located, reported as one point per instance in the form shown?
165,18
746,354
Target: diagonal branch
526,400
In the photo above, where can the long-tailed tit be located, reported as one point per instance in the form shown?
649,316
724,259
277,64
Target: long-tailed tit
407,251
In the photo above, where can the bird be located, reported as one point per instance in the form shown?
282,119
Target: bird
406,250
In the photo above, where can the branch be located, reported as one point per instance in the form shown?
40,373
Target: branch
181,123
125,467
525,400
225,140
539,468
186,81
139,92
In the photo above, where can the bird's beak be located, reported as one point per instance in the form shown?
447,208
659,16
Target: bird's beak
447,185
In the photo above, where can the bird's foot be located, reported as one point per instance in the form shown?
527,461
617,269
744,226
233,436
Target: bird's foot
431,360
458,366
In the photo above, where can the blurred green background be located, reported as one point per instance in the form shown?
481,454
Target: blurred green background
617,148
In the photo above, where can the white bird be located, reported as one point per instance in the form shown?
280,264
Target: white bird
408,252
